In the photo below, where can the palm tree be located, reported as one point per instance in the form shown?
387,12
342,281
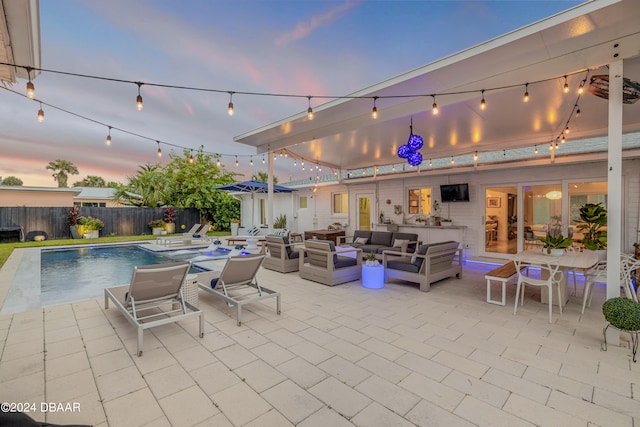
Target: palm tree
91,181
150,183
263,177
61,170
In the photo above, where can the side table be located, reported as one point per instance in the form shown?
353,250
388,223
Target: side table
373,276
190,290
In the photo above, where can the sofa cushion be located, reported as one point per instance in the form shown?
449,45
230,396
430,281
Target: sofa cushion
285,241
403,265
361,233
344,261
382,238
294,254
360,241
412,237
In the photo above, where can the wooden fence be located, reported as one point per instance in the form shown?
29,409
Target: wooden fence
52,221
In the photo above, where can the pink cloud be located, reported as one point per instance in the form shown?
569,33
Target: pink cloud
304,28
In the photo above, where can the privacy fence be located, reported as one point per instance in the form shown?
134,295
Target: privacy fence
52,221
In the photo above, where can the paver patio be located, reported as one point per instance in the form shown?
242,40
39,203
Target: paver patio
337,356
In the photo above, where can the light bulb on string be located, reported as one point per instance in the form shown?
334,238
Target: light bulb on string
452,161
230,107
251,161
237,164
139,97
430,163
295,163
274,156
374,111
40,114
535,150
475,157
581,88
563,139
578,112
525,98
566,130
434,107
565,88
107,141
159,149
263,159
31,90
309,110
218,162
483,103
191,157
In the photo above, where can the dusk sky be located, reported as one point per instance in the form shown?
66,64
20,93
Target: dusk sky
286,47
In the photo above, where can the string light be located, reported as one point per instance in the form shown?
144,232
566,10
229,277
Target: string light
274,156
159,149
563,139
108,140
434,107
191,157
452,161
40,114
218,162
578,112
483,103
475,157
566,130
525,98
31,90
139,97
581,87
430,163
263,159
565,88
309,110
374,111
295,163
237,164
230,107
535,151
251,161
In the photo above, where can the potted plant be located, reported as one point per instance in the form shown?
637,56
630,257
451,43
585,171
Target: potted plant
555,244
593,219
280,222
371,260
72,221
89,227
157,226
235,223
436,212
170,219
446,222
623,314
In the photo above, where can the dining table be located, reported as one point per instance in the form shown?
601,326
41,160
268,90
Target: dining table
568,262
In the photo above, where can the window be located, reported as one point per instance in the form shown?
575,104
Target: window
302,202
341,203
420,201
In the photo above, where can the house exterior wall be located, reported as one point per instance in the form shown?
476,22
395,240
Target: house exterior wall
35,198
318,214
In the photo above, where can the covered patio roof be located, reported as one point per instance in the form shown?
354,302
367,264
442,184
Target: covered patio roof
577,43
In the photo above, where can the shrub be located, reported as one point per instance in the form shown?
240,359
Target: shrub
622,313
89,223
157,223
170,215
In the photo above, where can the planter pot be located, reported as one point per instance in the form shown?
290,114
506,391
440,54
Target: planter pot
157,231
447,223
234,228
553,252
171,227
93,234
602,254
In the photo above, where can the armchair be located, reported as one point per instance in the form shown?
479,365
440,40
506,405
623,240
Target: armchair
282,255
323,263
430,263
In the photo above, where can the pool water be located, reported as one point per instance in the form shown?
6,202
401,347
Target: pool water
82,273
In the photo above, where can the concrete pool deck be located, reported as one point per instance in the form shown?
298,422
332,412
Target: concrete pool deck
336,356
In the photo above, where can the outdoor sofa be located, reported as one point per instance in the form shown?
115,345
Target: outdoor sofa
376,242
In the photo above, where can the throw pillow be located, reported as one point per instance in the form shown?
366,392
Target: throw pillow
400,243
361,240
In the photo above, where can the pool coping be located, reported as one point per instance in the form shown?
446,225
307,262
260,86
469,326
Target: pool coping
23,265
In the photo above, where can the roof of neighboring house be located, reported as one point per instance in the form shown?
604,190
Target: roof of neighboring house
75,191
106,193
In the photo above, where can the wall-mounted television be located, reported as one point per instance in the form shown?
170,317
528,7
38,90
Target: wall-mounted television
454,193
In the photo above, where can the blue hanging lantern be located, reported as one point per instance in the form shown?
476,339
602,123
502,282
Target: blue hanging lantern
415,142
415,159
404,151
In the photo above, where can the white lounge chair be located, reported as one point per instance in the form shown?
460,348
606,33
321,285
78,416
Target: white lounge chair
154,298
237,285
186,236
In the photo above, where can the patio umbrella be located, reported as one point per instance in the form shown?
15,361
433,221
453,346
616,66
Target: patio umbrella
254,187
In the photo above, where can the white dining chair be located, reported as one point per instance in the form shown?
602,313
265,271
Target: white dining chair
550,275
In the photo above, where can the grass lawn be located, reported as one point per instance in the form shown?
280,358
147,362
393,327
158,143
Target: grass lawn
7,248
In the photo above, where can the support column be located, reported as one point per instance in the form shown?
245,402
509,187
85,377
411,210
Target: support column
614,189
270,195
